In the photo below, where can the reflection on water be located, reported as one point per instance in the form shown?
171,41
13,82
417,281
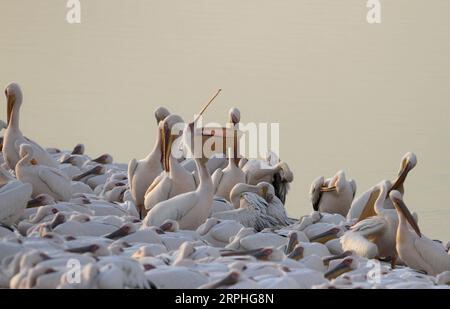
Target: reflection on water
348,95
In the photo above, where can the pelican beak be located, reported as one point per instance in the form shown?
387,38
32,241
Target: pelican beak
57,220
341,268
69,160
297,253
326,260
78,150
325,236
234,119
293,241
406,167
263,254
166,226
33,162
401,207
328,189
167,147
90,248
230,279
119,233
11,99
36,202
97,170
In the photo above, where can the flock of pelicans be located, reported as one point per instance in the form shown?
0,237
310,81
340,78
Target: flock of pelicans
168,222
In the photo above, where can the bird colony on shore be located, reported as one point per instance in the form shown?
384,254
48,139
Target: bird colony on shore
165,222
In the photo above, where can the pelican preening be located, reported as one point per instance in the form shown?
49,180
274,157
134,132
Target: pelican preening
333,195
171,221
362,207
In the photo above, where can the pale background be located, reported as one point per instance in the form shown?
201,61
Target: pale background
348,95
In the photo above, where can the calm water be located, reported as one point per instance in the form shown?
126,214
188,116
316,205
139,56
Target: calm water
348,95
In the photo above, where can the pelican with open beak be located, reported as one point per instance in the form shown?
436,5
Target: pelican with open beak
363,206
13,137
142,173
225,179
417,250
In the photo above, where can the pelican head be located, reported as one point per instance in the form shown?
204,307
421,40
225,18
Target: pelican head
27,151
41,200
346,265
78,149
13,97
172,127
124,230
161,113
169,226
409,161
235,115
104,159
402,210
266,191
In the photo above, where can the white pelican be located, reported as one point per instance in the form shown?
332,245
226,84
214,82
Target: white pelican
142,173
362,206
175,179
417,250
44,179
253,208
175,277
333,195
13,137
272,171
225,179
375,236
189,209
218,232
14,196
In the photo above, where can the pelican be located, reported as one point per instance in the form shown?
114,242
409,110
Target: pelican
225,179
251,208
362,207
273,171
175,179
218,232
142,173
189,209
375,236
13,137
333,195
175,277
14,196
417,250
44,179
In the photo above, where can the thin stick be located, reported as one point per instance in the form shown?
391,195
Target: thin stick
207,105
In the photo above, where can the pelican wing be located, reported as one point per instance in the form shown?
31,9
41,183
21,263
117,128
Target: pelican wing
131,170
370,226
155,182
174,209
359,244
217,178
433,253
56,181
315,192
